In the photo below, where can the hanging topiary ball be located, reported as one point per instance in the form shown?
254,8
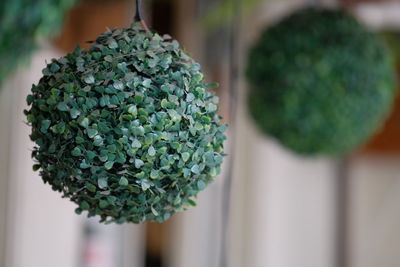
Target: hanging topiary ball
22,24
127,129
321,83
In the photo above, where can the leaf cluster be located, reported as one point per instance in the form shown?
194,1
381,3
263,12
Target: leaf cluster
321,83
22,24
128,129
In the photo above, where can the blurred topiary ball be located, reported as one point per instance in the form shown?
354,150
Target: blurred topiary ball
22,24
127,129
321,83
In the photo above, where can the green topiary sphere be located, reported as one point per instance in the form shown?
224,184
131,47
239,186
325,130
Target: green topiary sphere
22,24
127,129
321,83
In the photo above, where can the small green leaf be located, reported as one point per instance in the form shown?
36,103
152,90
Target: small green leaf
108,58
174,115
138,163
84,123
84,165
62,106
118,85
112,44
122,66
154,174
104,101
36,167
98,140
89,79
45,124
92,132
148,140
84,205
108,165
151,151
154,211
79,140
102,183
195,169
76,152
111,199
140,175
138,131
201,185
52,148
146,83
190,97
103,204
185,156
54,67
186,172
164,103
87,88
165,88
146,184
136,143
132,110
74,113
123,181
175,145
90,155
129,76
192,202
210,107
91,188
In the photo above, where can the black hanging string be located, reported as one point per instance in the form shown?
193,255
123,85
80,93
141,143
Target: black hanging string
234,66
138,15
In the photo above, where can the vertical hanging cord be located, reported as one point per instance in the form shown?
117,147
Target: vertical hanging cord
234,67
138,15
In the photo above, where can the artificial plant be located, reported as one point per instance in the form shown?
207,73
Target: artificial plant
23,23
127,129
320,82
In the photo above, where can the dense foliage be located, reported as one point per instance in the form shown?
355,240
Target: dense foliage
127,129
321,83
22,24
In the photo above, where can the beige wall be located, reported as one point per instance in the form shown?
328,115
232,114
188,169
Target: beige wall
374,212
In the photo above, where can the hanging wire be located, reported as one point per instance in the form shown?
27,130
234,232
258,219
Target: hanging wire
138,15
234,67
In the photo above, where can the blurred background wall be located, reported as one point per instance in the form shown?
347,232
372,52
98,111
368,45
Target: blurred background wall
285,211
